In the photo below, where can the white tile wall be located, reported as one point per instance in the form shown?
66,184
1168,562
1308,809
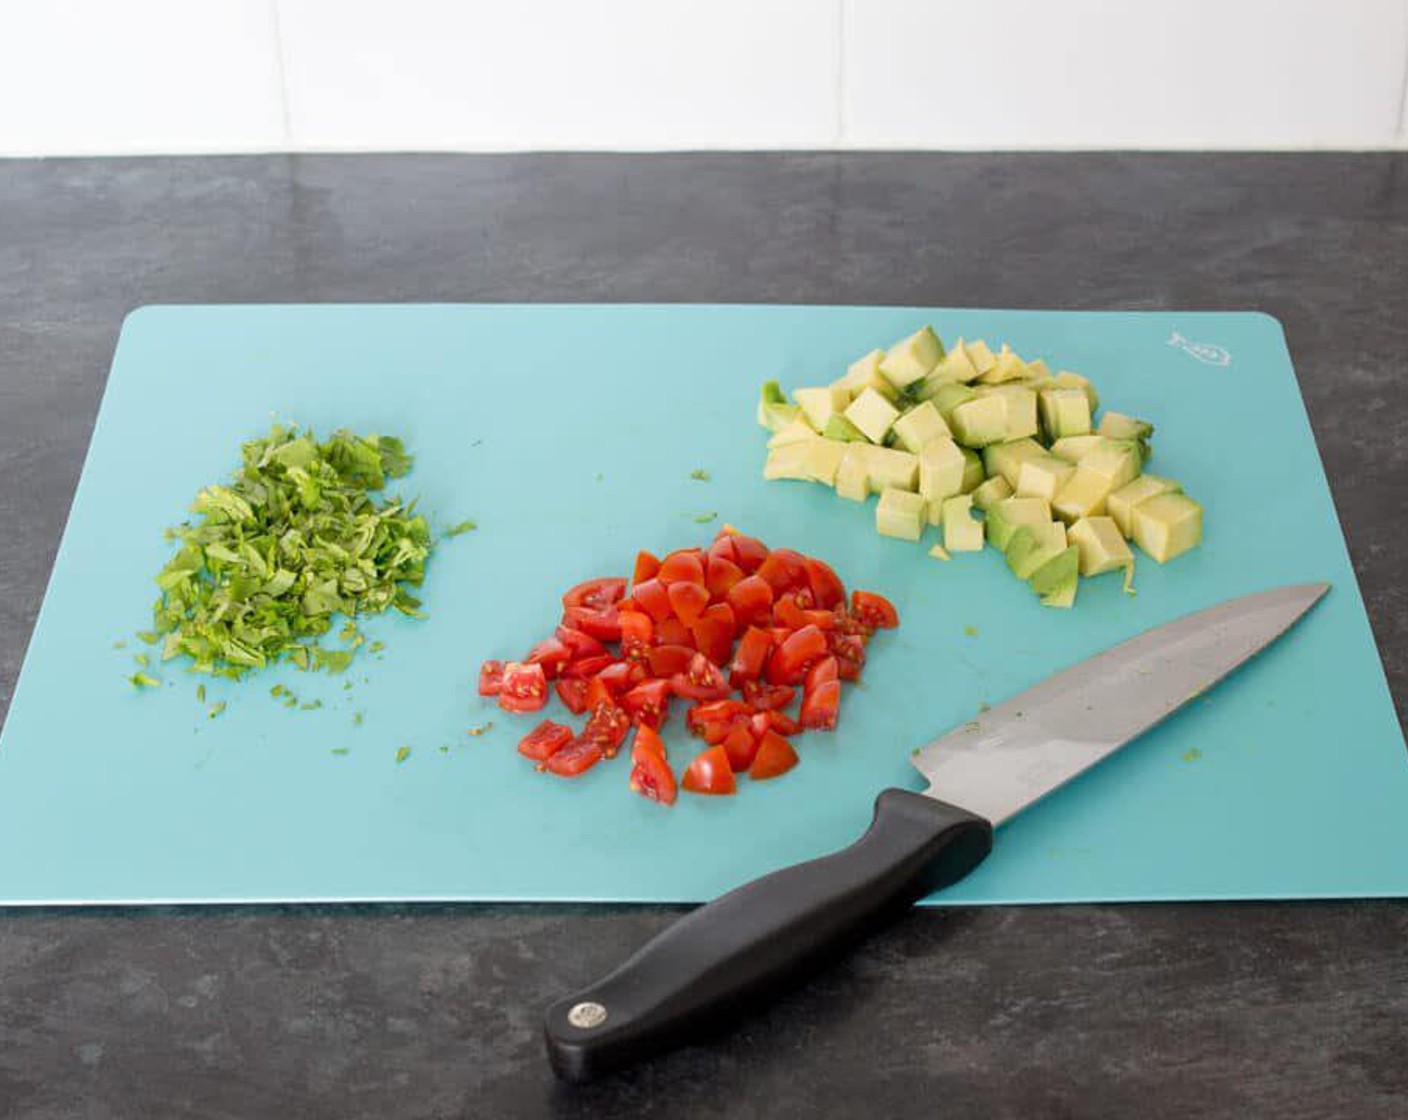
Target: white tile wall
123,76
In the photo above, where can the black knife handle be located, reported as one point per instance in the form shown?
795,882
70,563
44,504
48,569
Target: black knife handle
748,943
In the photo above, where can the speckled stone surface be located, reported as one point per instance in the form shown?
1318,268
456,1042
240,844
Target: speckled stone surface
1294,1011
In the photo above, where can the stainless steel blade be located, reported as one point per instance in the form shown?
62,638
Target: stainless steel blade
1021,750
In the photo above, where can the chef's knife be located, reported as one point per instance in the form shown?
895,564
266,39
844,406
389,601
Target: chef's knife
704,969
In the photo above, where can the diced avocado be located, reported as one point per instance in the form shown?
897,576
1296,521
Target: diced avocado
979,422
853,474
961,532
1020,405
822,458
1006,459
908,360
1116,425
1043,477
873,415
1168,525
1101,544
991,492
1054,573
842,430
1065,412
979,354
973,473
890,468
864,373
1063,596
820,404
1011,514
1083,495
919,425
790,461
938,552
948,397
1005,367
1024,552
1065,379
1117,462
1051,535
774,413
1038,371
1075,448
941,466
771,393
1123,500
955,366
798,431
900,514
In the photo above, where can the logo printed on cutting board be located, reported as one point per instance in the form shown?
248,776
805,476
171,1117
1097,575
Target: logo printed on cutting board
1205,352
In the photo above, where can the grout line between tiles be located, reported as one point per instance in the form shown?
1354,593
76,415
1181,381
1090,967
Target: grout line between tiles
280,73
841,122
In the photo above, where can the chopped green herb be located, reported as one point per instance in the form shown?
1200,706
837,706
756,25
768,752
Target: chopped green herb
340,750
142,680
402,753
290,701
356,719
346,685
141,659
376,647
599,476
215,709
200,694
971,631
703,518
462,527
119,645
277,691
1192,754
915,752
148,637
699,474
444,750
311,706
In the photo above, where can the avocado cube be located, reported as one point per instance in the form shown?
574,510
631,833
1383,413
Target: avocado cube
1075,448
1024,552
1006,459
1065,412
991,492
822,458
842,430
1123,500
919,425
1055,571
798,431
1065,379
948,397
864,373
820,404
979,354
1043,478
1117,462
775,417
1005,367
853,474
1168,525
900,514
790,461
961,532
938,552
973,473
1101,544
1063,596
955,366
910,359
890,468
979,422
941,467
1038,371
1052,535
1084,495
1116,425
1020,406
1011,514
873,415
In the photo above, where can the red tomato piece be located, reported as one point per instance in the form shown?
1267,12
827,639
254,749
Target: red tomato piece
748,553
491,678
595,594
784,570
740,746
545,740
750,656
647,564
648,703
828,592
874,610
552,654
710,773
603,625
588,666
713,633
775,756
820,706
637,632
684,566
767,697
703,680
688,600
849,652
714,713
719,576
621,675
784,724
652,777
673,632
751,600
525,687
652,598
824,670
597,694
607,727
581,645
573,759
723,547
788,612
648,741
791,660
666,661
572,691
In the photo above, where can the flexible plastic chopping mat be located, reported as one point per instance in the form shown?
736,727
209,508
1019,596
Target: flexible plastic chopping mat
569,433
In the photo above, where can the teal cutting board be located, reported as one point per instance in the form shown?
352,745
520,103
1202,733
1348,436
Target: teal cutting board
569,434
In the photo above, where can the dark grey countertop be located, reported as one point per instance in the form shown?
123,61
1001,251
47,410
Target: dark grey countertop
1074,1011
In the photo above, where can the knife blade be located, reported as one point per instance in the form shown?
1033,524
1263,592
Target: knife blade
705,969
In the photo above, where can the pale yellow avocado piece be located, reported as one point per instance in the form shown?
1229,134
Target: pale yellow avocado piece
798,431
1020,406
1038,370
956,365
853,473
790,461
820,404
1010,514
1101,544
1084,495
1043,478
941,466
1168,525
979,422
1117,462
919,425
1123,500
979,354
1005,367
1065,379
991,492
873,415
900,514
973,473
1116,425
864,373
1064,413
1052,535
1006,459
948,397
822,459
938,552
1064,597
889,467
1075,448
910,359
962,533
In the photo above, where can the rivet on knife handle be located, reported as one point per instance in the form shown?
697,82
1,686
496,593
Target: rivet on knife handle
746,944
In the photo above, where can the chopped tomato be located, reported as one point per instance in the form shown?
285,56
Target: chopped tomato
775,756
491,678
824,670
581,645
789,612
740,746
703,680
874,610
603,625
595,594
719,576
849,652
648,741
784,570
723,548
826,587
685,566
673,632
588,666
597,694
710,772
647,564
572,691
767,697
545,740
714,713
751,600
607,727
821,705
666,661
688,600
637,632
621,675
552,654
748,553
652,777
525,687
791,660
784,724
652,598
713,632
573,759
750,656
648,703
